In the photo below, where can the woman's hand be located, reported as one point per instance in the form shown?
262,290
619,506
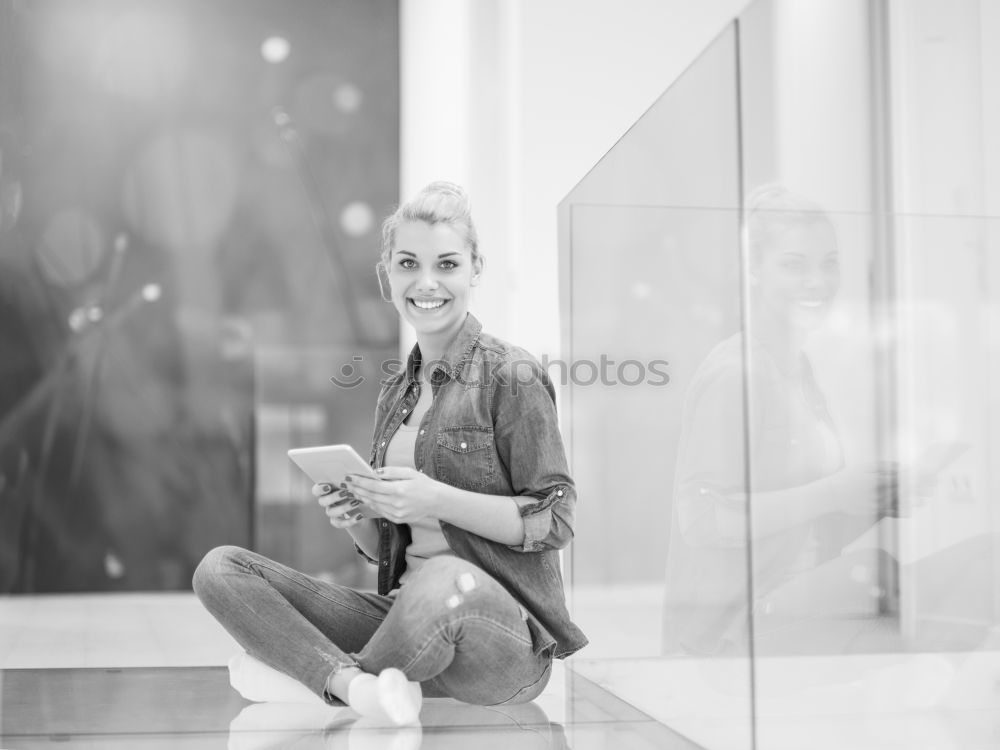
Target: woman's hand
402,495
867,490
340,506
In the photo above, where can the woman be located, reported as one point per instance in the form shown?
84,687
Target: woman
806,503
473,504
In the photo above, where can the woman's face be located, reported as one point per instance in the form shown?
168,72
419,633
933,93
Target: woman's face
798,275
431,275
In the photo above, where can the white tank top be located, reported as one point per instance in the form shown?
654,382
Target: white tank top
427,540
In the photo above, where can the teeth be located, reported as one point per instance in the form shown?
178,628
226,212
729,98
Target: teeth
428,304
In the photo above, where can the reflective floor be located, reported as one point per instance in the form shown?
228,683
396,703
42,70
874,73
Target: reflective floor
927,701
194,707
144,671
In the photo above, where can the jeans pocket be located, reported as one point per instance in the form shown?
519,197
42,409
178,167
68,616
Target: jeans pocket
533,690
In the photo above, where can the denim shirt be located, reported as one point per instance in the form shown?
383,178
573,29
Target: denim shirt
492,429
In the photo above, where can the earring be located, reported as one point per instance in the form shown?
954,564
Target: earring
379,270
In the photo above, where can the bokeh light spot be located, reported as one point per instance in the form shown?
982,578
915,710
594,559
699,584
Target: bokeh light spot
641,290
325,102
347,98
275,49
151,292
357,218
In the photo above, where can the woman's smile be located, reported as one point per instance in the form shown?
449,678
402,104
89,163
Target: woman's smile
812,303
428,303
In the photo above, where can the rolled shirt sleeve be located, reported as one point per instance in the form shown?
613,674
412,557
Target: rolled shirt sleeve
530,446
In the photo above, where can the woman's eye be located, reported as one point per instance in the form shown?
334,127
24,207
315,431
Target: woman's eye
448,264
407,263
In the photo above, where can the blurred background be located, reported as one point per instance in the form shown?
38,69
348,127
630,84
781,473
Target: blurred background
191,201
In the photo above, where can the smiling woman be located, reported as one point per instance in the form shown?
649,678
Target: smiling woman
431,258
472,503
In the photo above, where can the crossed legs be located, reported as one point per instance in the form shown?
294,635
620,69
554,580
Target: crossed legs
469,642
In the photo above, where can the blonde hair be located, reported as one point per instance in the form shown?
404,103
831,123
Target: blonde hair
771,210
438,203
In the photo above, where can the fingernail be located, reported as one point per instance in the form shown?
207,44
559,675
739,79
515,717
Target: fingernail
343,486
379,470
358,517
326,487
453,601
466,582
355,503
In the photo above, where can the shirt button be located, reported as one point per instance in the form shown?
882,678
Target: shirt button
423,431
463,446
385,563
383,444
559,493
404,411
385,524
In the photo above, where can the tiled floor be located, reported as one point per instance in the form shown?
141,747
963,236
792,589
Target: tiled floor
144,671
194,707
947,701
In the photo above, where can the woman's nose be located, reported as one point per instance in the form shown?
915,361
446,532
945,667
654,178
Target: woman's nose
815,279
427,280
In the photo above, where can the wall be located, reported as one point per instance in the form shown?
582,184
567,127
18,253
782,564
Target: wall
519,100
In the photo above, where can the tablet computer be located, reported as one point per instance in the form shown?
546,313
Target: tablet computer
936,457
330,464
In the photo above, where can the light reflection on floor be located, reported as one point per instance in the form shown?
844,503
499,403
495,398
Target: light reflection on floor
194,707
901,701
145,671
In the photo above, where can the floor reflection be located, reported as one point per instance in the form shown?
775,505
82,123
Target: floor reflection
944,701
444,724
194,707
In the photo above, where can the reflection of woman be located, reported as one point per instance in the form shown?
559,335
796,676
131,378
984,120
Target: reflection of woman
470,602
805,504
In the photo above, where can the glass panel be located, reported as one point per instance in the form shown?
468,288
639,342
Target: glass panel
828,514
872,352
651,290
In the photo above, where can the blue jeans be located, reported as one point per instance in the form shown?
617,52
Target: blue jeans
479,651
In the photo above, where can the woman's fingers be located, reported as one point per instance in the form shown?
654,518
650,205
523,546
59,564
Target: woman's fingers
343,505
339,521
374,490
321,489
344,514
367,484
335,498
395,472
340,505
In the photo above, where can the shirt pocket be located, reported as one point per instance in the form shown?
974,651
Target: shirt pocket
466,457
